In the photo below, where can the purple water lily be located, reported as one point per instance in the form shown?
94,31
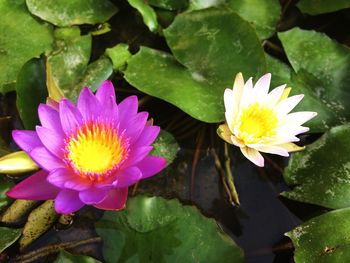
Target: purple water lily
89,153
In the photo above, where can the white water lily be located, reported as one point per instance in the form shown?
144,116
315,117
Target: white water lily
259,121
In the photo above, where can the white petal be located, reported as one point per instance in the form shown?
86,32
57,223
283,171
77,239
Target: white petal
273,150
253,155
248,94
238,88
274,96
237,141
291,130
261,87
228,100
285,106
299,118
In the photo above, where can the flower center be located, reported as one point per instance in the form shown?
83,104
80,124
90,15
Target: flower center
95,149
256,124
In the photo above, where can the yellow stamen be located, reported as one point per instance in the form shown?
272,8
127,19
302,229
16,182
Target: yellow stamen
256,123
95,148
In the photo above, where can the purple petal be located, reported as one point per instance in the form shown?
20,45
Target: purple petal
136,155
128,177
35,187
77,183
51,140
105,91
27,140
45,159
134,126
70,116
88,104
67,201
50,118
58,177
151,165
127,109
52,103
93,195
147,136
115,199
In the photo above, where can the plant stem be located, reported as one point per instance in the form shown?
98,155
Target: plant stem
229,177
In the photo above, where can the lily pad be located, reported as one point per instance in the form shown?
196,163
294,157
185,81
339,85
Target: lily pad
316,7
165,146
65,257
264,15
67,13
169,4
8,236
208,43
321,173
327,64
202,4
31,91
152,229
323,239
19,42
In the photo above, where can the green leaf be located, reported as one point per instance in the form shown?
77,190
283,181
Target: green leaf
67,13
321,172
324,66
202,4
316,7
323,239
152,229
159,74
5,185
210,42
281,73
264,15
165,146
31,91
119,54
21,38
207,42
96,72
8,237
65,257
147,12
169,4
70,58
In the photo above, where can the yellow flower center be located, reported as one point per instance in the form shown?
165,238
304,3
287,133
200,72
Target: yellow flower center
95,149
256,124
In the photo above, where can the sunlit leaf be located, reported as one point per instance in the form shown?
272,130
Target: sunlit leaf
21,38
264,15
323,239
17,162
119,54
152,229
68,13
147,12
321,173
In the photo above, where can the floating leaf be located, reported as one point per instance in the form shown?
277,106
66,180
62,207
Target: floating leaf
321,173
68,13
147,12
264,15
17,210
202,4
65,257
323,239
31,91
152,229
21,38
8,236
39,221
281,73
165,146
69,59
327,64
316,7
17,162
119,54
207,42
169,4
